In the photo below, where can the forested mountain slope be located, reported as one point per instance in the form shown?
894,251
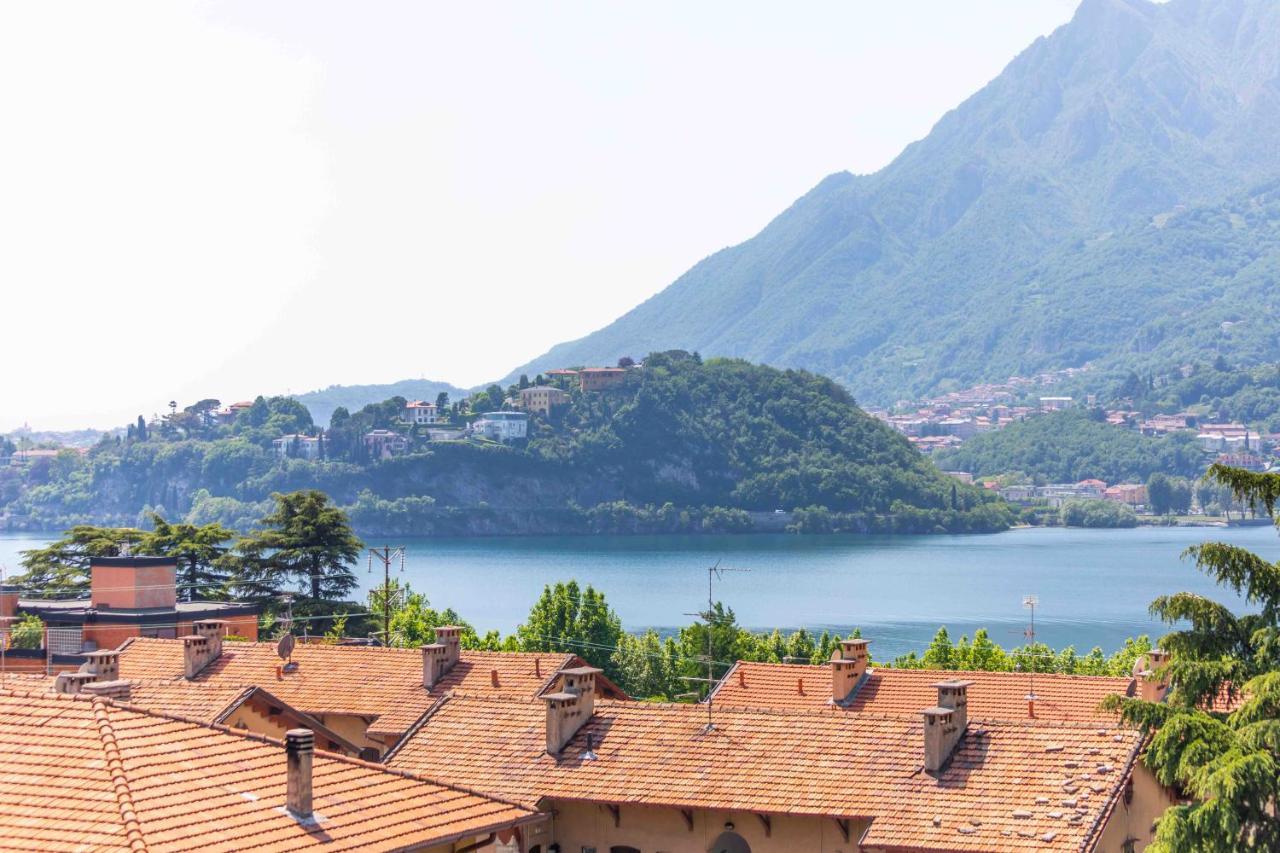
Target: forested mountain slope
1110,197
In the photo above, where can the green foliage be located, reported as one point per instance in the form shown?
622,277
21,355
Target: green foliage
1069,446
1167,495
1032,229
201,551
985,655
27,632
1228,763
306,540
63,566
570,619
1096,513
683,446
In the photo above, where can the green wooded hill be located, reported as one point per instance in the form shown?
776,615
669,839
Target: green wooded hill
1074,445
1111,197
683,446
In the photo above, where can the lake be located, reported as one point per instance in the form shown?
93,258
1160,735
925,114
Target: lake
1093,585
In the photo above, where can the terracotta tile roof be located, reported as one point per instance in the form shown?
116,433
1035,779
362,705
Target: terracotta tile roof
84,773
202,702
994,695
1009,786
370,681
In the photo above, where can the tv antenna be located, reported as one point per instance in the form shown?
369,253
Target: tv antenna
715,572
386,555
1030,602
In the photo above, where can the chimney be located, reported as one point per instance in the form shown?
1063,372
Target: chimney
945,724
299,749
215,630
195,655
848,667
1150,689
103,665
434,663
450,636
72,682
118,689
571,707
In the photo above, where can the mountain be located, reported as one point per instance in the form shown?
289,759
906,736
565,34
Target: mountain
322,403
1108,197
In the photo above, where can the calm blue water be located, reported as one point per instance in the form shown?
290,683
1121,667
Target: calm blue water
1093,585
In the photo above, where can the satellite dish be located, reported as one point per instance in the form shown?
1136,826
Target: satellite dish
284,648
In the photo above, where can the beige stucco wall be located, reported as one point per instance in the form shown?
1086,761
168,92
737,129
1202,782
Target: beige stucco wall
578,825
1135,820
254,716
351,727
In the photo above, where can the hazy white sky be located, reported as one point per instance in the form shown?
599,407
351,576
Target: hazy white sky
226,199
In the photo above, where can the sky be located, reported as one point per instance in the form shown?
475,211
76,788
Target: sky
232,199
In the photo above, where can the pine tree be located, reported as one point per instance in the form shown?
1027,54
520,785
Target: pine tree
1226,762
305,540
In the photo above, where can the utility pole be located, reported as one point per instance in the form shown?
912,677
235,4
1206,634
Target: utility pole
385,555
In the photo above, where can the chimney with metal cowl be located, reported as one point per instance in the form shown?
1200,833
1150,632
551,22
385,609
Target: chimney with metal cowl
571,707
945,724
299,750
848,668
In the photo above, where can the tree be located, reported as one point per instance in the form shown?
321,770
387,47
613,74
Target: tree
1227,762
27,632
1159,493
442,404
201,553
626,362
939,655
414,620
140,431
63,566
567,618
307,540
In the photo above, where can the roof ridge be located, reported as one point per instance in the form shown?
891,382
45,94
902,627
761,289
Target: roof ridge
815,712
119,781
946,673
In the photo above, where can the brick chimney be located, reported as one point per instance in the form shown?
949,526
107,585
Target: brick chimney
299,750
72,682
848,668
103,665
215,630
568,709
196,654
945,724
440,656
118,689
1149,688
450,636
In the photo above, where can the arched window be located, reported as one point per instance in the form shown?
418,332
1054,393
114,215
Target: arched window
730,842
